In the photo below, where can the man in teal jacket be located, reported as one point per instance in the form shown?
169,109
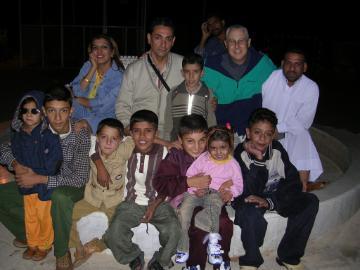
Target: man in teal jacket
236,78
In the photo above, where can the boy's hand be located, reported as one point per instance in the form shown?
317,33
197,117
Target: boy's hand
175,144
18,168
29,178
103,177
149,213
199,181
226,185
200,192
251,149
214,103
226,195
260,202
4,175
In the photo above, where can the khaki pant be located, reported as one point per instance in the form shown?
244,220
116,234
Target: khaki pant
81,209
38,222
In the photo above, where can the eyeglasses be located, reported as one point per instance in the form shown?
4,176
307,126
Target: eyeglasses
33,111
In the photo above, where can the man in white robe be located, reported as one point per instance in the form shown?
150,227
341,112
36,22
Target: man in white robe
294,97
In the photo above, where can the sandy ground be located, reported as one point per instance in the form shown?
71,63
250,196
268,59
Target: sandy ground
337,250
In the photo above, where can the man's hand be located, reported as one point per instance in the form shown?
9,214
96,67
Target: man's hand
29,178
82,124
260,202
199,181
205,31
251,149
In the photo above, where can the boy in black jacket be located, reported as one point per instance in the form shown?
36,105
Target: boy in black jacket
272,183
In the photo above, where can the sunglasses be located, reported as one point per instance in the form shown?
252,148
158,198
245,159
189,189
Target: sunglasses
25,111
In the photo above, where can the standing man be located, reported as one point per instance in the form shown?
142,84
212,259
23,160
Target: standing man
68,184
236,78
294,98
147,81
212,38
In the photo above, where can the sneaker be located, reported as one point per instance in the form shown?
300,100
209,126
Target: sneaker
225,265
192,267
288,266
137,263
181,256
214,253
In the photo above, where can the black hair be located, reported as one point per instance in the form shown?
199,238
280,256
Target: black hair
262,114
113,46
113,123
164,21
192,123
221,133
26,101
59,93
296,51
193,58
144,116
215,15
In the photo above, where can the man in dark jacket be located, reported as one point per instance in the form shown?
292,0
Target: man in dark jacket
272,183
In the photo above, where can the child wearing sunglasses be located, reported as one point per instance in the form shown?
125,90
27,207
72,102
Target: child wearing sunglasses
36,147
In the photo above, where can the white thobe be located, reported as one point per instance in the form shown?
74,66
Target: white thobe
295,108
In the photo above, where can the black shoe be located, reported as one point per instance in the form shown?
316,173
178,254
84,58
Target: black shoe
137,263
154,265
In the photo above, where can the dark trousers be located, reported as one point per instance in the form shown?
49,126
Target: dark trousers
292,246
197,250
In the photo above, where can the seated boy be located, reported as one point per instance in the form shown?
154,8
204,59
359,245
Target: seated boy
171,181
141,204
102,196
272,183
191,96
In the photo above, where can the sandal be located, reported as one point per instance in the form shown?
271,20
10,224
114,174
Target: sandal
41,254
29,253
64,262
82,254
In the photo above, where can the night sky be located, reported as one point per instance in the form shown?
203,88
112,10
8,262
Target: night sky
327,32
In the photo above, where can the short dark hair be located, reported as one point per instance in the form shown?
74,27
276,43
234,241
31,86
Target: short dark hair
221,133
164,21
262,114
113,123
191,124
193,58
144,116
59,93
297,51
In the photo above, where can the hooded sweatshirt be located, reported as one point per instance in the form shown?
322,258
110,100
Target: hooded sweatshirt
40,150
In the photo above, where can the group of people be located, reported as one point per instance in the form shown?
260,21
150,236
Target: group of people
197,106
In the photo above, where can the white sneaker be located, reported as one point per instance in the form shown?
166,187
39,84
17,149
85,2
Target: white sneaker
181,256
192,267
214,253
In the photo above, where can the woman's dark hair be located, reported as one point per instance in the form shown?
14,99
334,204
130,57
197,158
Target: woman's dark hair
113,123
221,133
113,46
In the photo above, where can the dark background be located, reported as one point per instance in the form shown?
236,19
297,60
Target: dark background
327,32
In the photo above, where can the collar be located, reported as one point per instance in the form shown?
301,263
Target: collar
64,135
154,149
